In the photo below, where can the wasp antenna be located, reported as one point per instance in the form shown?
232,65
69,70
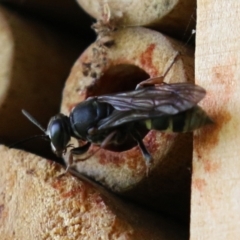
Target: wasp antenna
32,119
28,139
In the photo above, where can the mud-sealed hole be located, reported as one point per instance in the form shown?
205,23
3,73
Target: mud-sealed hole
120,78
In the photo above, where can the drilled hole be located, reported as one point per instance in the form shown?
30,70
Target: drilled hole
120,78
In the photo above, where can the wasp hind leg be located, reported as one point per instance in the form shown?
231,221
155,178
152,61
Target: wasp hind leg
147,156
160,79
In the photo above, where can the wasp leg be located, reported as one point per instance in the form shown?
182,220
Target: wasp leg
105,142
147,156
81,150
158,80
76,151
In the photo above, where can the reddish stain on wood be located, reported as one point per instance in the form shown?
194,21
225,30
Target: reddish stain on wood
215,103
99,201
134,158
224,75
72,193
80,189
150,141
208,138
106,157
57,184
199,184
131,158
146,60
210,167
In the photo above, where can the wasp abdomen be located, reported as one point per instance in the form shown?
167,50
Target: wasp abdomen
186,121
196,118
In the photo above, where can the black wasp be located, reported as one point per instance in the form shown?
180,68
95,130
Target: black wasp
110,119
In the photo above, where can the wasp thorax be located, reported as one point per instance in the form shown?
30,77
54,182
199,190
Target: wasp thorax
59,133
86,115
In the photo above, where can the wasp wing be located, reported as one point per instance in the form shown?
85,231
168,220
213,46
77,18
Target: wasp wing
150,102
165,98
120,117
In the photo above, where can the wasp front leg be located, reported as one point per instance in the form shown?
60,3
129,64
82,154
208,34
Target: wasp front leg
83,149
77,151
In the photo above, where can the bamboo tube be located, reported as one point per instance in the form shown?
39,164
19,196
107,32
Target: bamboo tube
136,54
216,167
36,203
174,17
34,64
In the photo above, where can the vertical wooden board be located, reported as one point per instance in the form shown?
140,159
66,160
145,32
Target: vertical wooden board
215,202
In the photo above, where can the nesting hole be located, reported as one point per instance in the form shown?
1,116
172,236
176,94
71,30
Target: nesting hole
120,78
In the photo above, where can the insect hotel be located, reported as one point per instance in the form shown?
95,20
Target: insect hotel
132,105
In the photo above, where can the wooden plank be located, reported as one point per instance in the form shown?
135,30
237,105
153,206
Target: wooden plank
215,210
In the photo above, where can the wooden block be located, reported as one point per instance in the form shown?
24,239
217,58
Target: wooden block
173,17
35,203
136,54
215,204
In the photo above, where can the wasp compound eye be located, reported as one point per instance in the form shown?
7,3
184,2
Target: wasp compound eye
59,133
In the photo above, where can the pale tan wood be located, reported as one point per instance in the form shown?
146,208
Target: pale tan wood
135,53
36,203
215,208
174,17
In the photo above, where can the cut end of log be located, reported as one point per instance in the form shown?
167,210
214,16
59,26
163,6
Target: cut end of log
136,54
38,201
173,17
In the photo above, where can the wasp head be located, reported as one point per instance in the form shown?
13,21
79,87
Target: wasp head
59,133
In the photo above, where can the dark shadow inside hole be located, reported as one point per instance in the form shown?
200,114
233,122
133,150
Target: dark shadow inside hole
120,78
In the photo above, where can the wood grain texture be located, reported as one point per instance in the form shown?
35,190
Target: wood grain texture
36,203
216,167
